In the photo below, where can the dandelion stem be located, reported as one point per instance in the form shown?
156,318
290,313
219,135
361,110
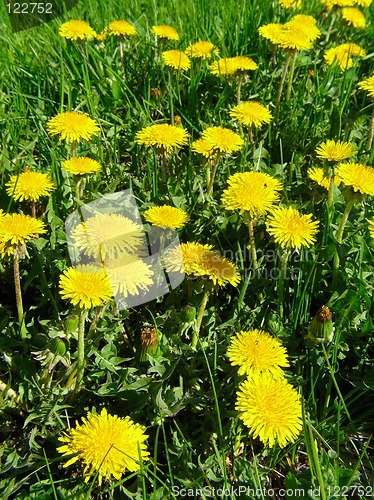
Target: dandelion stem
281,83
371,133
200,315
339,235
282,275
292,70
238,93
249,221
212,176
81,354
33,209
333,17
17,286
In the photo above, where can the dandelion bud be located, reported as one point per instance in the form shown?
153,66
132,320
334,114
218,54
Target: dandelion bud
58,346
321,329
148,343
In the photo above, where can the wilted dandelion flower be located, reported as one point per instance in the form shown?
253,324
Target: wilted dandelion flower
18,229
121,28
203,147
202,50
368,85
72,126
108,236
164,31
272,32
292,229
271,409
251,113
371,227
162,136
107,445
222,139
81,165
252,192
342,55
360,177
335,150
354,17
76,29
166,217
318,175
85,286
129,275
256,351
29,185
176,59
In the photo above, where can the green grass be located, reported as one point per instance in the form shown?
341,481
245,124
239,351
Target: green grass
184,397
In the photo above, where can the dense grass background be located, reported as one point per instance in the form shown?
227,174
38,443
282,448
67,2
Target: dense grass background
186,398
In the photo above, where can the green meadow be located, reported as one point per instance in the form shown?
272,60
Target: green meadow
167,363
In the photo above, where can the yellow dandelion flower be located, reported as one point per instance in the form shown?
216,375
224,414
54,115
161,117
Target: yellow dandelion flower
108,236
85,286
72,126
202,50
129,275
305,23
218,269
342,55
166,216
253,192
18,229
318,175
164,31
257,351
354,17
81,165
121,28
223,67
335,150
184,257
295,38
107,445
360,177
203,147
271,409
244,63
29,186
371,227
362,3
222,139
251,113
291,229
368,85
100,37
162,136
176,59
289,4
272,32
329,4
76,29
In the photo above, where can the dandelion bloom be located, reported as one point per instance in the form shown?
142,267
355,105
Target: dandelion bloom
295,38
251,113
85,286
176,59
203,147
257,351
202,50
100,37
354,17
253,192
29,186
288,4
329,4
218,269
271,409
166,217
318,175
222,140
368,85
371,227
81,165
162,136
72,126
223,67
342,55
164,31
244,63
108,236
291,229
129,275
359,177
121,28
305,23
18,229
335,150
272,32
363,3
76,29
108,445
